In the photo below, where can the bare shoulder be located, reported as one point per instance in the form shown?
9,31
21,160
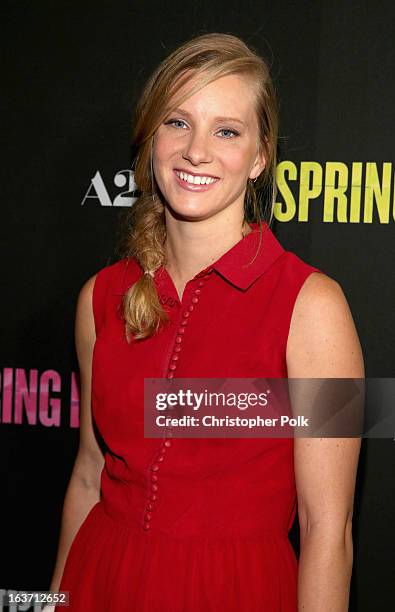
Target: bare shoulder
85,295
323,340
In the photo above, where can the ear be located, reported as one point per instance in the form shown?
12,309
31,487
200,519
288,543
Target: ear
258,166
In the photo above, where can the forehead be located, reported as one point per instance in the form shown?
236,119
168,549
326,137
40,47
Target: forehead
226,95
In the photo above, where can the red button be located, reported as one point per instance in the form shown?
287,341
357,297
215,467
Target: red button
181,330
154,478
149,507
198,291
200,283
153,497
190,308
175,357
170,375
167,443
195,300
147,517
160,458
155,467
154,487
178,339
185,314
172,366
146,526
177,348
184,321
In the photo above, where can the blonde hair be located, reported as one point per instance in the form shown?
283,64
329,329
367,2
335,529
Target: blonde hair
208,57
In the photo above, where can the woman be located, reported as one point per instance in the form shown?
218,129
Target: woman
204,289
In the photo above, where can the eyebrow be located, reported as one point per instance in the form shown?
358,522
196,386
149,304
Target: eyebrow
234,119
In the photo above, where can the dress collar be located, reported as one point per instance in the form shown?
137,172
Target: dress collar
236,265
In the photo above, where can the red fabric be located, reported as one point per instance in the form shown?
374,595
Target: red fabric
210,534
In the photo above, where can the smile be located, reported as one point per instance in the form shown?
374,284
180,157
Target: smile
194,182
195,179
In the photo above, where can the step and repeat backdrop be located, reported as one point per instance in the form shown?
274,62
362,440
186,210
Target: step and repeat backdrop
72,75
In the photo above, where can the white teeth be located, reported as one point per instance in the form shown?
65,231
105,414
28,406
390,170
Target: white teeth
195,180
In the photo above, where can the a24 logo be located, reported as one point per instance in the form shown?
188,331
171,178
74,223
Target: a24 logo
97,190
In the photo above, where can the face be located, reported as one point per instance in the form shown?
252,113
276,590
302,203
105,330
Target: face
205,151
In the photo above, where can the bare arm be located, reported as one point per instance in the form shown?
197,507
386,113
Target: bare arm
323,343
83,490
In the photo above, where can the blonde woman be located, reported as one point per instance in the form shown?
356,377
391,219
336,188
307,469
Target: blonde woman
205,290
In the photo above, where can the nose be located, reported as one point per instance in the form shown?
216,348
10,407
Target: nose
197,150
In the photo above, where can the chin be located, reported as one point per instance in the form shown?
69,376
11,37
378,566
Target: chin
190,213
195,208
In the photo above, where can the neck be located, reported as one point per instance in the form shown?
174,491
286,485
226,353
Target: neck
192,246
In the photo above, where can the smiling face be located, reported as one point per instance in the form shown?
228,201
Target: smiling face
205,151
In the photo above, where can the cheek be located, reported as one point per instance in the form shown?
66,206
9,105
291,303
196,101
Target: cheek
164,147
236,161
163,151
159,151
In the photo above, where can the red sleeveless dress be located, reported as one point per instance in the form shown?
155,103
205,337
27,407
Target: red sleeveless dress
191,525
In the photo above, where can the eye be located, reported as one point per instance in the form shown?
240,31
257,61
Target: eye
180,124
174,121
231,133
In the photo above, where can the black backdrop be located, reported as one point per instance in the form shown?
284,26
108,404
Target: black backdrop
72,74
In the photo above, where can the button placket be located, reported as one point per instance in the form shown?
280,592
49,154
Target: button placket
166,443
183,325
153,485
